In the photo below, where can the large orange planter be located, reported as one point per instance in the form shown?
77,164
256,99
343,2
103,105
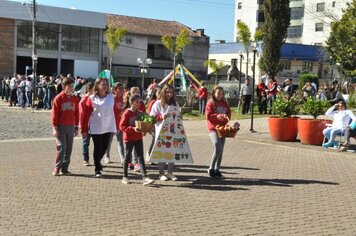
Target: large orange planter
311,131
283,129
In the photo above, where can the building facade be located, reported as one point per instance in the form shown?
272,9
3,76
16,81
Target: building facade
295,60
68,41
143,41
310,19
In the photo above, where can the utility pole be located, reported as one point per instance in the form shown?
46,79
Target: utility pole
34,50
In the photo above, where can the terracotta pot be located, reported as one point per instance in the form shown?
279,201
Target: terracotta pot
283,129
311,131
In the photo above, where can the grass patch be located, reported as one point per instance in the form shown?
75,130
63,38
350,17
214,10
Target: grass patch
194,115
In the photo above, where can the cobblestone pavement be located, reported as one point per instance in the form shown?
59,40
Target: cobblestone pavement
271,188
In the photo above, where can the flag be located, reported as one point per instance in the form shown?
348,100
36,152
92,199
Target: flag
106,74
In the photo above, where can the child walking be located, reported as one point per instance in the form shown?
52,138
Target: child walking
85,139
65,119
217,113
133,139
160,112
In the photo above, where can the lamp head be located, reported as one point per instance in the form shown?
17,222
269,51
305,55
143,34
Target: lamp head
148,61
139,61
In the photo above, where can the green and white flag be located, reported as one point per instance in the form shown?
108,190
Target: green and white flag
106,74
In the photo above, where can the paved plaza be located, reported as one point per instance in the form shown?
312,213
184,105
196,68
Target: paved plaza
271,188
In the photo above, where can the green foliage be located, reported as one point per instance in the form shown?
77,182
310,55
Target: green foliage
243,33
277,20
114,37
351,104
216,67
284,107
308,76
341,43
176,45
315,107
146,118
259,34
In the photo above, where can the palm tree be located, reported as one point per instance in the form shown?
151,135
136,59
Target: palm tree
216,67
244,36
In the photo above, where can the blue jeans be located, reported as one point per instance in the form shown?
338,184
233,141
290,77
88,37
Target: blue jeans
330,133
270,103
85,145
29,98
219,149
121,147
202,103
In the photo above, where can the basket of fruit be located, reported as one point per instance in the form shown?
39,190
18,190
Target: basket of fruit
145,123
227,131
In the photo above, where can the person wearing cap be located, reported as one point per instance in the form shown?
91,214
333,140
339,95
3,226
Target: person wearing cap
288,87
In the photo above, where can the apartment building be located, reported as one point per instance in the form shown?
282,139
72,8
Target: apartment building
310,19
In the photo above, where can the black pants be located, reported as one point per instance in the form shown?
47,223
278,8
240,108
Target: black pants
138,145
262,105
246,100
101,142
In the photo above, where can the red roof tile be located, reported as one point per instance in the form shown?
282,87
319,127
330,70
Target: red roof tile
145,26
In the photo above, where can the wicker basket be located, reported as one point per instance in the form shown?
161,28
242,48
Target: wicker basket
143,126
226,133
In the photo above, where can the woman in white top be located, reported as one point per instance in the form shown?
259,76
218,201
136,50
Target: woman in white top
341,119
101,118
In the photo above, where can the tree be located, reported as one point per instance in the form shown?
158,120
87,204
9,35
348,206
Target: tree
341,43
176,45
244,36
216,67
277,20
114,37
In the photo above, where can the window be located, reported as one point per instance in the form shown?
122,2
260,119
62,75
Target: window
296,13
260,16
318,44
319,27
260,2
320,7
239,5
294,31
284,65
80,39
333,4
47,35
307,66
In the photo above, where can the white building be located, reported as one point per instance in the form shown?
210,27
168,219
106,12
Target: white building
310,19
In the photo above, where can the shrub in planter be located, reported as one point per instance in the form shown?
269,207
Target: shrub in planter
311,130
282,126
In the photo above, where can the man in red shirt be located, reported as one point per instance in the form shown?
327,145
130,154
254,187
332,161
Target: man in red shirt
203,97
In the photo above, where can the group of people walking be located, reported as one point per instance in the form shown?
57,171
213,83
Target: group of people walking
104,112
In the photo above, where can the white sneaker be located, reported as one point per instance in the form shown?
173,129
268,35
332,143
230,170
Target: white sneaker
163,178
172,177
106,160
147,181
125,180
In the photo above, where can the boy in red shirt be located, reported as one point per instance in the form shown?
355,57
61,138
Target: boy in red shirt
65,119
133,139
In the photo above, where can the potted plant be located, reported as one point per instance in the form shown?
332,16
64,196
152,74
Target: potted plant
311,130
282,126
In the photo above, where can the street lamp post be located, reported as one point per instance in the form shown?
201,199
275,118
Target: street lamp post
144,65
240,73
254,49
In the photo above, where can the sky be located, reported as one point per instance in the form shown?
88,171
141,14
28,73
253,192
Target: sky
215,16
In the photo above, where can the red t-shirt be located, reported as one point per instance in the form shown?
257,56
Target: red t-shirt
65,110
272,88
203,93
260,88
127,125
119,103
212,110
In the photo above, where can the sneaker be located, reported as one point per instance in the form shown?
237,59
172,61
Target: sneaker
172,177
55,172
218,174
163,178
125,180
106,160
211,173
137,168
64,172
98,174
147,181
328,144
85,163
131,166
